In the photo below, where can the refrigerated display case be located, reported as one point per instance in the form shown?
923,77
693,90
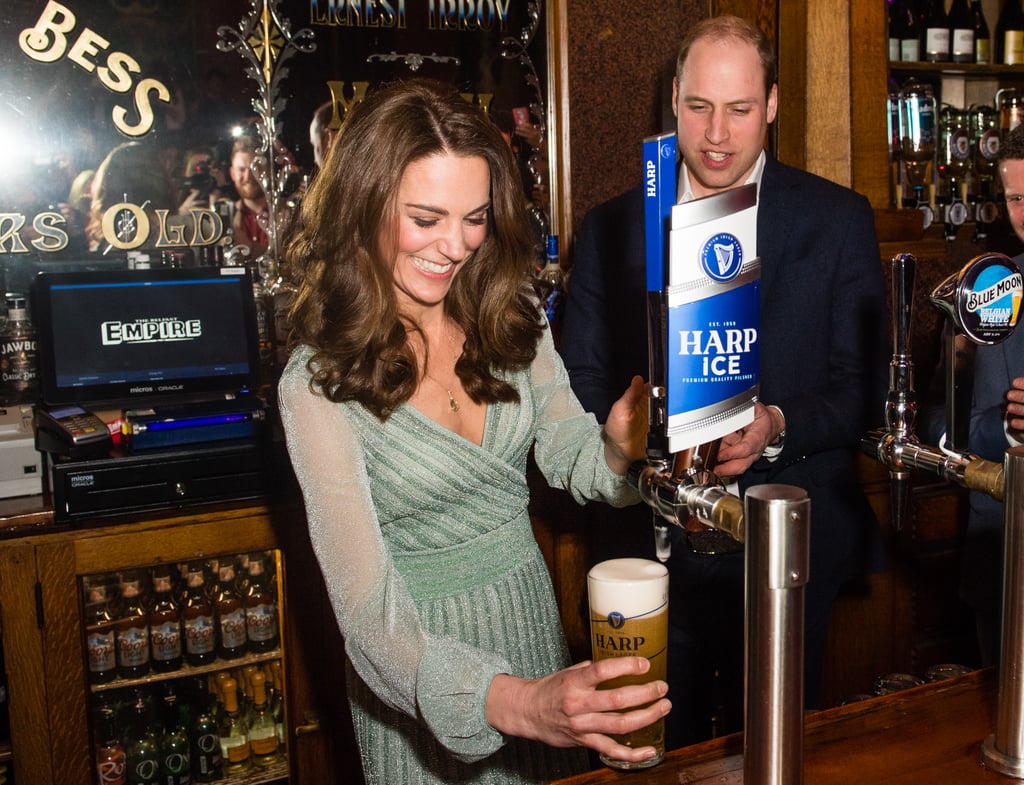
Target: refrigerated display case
59,696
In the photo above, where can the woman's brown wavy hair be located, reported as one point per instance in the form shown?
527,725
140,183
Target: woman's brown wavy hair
342,254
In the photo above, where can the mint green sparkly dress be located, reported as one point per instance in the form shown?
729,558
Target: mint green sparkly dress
437,583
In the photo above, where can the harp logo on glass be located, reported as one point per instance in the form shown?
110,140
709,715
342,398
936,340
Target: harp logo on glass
721,257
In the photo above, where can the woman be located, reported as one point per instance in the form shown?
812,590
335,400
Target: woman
423,375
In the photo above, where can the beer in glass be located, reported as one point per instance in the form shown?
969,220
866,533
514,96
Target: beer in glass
629,617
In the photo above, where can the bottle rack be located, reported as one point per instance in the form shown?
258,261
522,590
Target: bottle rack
120,686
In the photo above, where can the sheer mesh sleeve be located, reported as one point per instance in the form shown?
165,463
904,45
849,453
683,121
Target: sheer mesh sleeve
570,443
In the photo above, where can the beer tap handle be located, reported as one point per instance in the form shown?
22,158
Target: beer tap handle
901,404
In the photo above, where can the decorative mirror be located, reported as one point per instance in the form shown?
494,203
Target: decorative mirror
105,101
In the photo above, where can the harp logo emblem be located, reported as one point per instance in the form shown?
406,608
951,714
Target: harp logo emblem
721,257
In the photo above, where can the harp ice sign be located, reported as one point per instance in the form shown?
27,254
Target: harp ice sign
714,308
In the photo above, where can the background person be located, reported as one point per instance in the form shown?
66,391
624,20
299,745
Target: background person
996,423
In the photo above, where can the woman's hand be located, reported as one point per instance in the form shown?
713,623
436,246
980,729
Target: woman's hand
626,428
566,709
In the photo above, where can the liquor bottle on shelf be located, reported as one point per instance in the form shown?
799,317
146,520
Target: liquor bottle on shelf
100,640
175,764
982,38
961,32
553,275
165,624
260,608
19,382
935,46
917,144
200,640
1009,39
262,730
132,630
954,151
110,756
142,749
204,740
984,124
234,732
230,615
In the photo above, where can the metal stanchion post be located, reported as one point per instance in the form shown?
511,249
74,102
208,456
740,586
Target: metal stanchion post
777,563
1003,751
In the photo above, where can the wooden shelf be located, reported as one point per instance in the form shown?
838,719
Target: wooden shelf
186,671
956,69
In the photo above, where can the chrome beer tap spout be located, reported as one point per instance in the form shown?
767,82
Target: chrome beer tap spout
964,298
901,402
697,494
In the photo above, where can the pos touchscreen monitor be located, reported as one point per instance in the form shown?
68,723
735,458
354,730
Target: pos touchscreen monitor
135,336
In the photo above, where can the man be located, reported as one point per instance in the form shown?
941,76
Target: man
823,356
321,135
996,422
251,210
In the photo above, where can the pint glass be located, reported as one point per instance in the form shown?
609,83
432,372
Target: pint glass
629,617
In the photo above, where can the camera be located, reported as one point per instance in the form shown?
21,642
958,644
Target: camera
201,180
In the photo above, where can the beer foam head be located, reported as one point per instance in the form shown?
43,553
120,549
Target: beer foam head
631,587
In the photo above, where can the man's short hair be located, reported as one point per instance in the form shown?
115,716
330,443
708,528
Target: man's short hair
1012,145
724,28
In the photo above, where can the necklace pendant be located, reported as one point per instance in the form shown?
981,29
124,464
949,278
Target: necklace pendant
451,401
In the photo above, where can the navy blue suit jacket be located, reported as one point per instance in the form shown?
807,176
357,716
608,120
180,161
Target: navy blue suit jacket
823,344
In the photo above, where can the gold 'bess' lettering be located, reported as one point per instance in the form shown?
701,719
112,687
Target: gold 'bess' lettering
48,41
467,14
357,13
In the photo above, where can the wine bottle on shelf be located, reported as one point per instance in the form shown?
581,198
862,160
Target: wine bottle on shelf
262,730
142,748
1009,39
982,38
132,630
935,33
897,21
203,737
910,41
234,732
175,762
110,757
961,32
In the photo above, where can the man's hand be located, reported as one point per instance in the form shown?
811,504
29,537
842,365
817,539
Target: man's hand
741,448
1015,409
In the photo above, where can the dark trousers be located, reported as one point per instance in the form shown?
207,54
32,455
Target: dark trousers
706,649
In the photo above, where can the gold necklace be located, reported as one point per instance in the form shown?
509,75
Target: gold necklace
452,403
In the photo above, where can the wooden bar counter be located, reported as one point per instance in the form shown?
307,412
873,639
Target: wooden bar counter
928,735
